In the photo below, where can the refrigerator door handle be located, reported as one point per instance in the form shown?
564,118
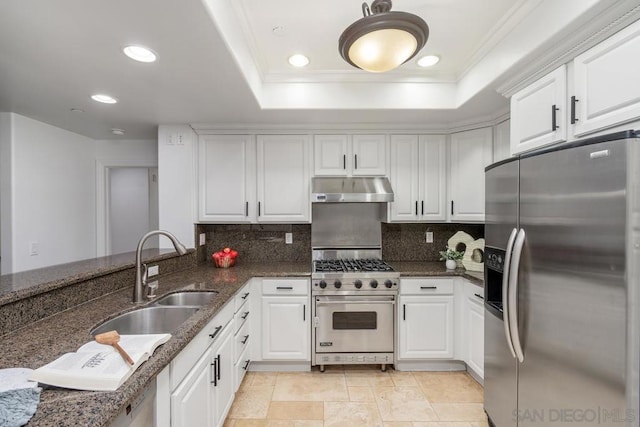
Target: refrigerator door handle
513,295
505,291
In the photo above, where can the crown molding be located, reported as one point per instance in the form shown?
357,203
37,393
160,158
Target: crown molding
575,40
350,128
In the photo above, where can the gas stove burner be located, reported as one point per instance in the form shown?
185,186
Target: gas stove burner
351,265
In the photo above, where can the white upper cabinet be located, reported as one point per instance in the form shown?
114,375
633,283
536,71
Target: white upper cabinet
369,155
501,139
284,178
227,180
538,113
330,155
606,83
350,155
470,153
418,175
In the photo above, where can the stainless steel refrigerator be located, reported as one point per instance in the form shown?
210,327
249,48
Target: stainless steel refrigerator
562,286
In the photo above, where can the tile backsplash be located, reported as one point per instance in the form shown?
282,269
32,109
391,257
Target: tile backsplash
266,242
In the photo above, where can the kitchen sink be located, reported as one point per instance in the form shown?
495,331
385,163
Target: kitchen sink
148,320
187,299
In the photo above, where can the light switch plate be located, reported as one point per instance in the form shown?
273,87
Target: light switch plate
428,236
288,238
153,271
202,239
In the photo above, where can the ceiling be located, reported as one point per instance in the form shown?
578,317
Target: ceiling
221,64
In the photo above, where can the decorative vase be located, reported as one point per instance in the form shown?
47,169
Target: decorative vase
451,264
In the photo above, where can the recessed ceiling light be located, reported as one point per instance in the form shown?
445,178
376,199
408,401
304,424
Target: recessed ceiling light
428,61
140,53
298,60
105,99
117,131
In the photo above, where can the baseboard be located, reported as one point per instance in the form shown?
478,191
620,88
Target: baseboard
280,366
430,365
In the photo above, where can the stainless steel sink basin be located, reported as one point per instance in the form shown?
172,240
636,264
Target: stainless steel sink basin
148,320
186,299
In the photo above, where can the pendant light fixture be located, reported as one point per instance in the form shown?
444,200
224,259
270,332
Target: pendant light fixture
382,40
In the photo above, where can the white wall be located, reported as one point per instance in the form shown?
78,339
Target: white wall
48,190
177,183
6,181
53,198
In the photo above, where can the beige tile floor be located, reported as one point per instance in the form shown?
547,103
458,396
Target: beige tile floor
358,396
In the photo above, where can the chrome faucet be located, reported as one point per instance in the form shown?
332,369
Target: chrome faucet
141,278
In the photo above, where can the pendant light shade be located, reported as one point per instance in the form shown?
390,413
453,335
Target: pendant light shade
382,40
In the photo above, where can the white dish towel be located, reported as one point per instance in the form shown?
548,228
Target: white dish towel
19,397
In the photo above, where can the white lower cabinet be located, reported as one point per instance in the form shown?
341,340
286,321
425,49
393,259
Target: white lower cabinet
191,401
426,319
286,319
474,328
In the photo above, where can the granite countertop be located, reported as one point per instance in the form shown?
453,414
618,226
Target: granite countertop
434,268
43,341
24,284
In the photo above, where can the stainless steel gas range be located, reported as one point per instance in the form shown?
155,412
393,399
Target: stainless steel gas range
354,310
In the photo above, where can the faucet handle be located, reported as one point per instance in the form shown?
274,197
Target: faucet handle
151,289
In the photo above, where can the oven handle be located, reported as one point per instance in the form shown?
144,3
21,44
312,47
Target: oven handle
392,302
354,298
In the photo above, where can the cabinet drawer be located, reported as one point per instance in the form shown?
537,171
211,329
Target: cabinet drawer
241,298
426,286
285,287
184,361
241,367
241,341
241,318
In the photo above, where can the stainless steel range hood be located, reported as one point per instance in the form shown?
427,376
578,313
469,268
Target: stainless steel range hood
351,190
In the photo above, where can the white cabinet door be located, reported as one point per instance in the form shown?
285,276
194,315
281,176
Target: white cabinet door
226,178
606,82
404,177
432,178
538,113
369,155
192,401
285,328
501,141
330,155
224,382
475,335
426,327
284,178
470,153
418,177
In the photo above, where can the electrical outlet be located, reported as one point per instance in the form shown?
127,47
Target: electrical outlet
202,239
34,248
154,270
428,237
288,238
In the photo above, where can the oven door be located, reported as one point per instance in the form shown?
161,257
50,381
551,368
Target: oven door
354,323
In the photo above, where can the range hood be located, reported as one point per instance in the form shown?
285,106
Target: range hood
351,190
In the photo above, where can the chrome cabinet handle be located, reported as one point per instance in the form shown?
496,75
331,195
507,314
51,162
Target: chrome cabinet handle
513,295
505,291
